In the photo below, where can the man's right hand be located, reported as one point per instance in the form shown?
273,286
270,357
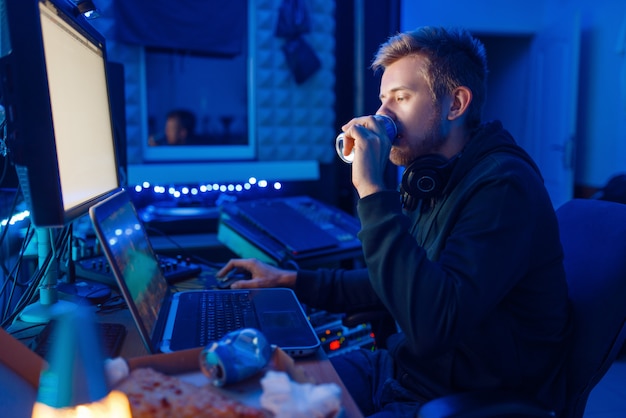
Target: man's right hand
262,274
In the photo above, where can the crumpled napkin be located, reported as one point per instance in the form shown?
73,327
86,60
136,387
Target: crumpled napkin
115,370
288,399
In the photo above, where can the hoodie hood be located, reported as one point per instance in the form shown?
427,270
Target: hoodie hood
489,138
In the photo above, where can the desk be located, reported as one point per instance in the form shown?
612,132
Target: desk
317,366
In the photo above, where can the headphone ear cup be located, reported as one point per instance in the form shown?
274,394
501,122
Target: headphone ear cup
408,202
424,178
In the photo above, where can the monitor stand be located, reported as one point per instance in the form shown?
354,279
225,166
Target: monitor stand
49,305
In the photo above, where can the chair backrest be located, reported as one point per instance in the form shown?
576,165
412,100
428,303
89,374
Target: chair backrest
593,234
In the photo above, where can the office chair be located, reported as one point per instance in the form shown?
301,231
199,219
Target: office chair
593,234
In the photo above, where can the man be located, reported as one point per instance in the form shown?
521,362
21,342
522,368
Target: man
179,129
471,270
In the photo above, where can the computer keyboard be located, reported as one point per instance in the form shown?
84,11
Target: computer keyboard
97,269
111,338
221,313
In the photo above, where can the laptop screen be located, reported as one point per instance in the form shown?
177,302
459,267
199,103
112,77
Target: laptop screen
129,246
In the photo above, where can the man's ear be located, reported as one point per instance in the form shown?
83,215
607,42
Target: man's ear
461,99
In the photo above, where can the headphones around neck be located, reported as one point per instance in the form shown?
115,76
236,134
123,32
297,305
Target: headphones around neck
425,178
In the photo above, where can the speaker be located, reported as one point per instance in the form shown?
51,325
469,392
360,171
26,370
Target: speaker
424,178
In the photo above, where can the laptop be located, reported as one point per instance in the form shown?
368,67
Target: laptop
171,321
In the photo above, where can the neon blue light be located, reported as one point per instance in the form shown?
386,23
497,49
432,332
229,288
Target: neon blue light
18,217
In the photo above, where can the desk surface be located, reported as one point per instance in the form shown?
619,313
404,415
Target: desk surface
317,366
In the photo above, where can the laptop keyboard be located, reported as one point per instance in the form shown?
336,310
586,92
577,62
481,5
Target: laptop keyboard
222,312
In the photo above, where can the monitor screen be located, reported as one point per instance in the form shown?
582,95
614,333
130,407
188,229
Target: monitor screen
60,132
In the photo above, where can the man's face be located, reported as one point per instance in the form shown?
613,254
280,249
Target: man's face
406,97
174,132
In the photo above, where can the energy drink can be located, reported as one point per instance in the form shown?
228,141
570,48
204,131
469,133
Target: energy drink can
235,357
390,127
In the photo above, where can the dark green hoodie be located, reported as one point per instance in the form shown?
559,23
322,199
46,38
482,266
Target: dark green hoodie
473,278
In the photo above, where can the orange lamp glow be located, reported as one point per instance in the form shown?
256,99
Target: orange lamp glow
74,383
115,404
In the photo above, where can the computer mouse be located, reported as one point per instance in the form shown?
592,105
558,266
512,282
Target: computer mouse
233,276
92,292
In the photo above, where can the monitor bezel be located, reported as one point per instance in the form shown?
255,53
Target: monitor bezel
30,130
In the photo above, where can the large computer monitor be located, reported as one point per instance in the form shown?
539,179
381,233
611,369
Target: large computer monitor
60,132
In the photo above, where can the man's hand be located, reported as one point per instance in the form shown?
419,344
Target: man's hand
262,275
372,147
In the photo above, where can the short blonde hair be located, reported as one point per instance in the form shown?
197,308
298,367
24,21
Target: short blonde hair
454,58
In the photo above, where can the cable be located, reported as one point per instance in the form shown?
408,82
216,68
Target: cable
113,304
200,260
5,230
30,295
22,330
4,149
5,166
13,277
10,275
70,267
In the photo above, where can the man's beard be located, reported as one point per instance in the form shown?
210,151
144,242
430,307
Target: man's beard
430,143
